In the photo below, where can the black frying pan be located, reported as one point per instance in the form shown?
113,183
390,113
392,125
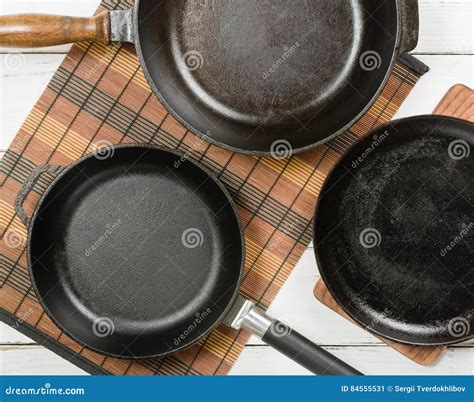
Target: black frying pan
394,231
262,77
140,255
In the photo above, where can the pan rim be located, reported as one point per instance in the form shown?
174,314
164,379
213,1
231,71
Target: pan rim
184,345
322,272
395,55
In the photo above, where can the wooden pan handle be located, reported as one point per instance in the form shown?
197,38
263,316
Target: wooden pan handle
38,30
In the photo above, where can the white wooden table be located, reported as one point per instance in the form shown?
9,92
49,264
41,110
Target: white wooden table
446,45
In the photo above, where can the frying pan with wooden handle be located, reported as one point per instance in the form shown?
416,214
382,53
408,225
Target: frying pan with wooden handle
260,77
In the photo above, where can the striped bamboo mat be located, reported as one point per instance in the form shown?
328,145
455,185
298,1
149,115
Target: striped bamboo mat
98,96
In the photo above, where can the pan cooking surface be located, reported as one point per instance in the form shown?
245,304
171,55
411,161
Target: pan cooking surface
394,231
249,73
263,65
130,251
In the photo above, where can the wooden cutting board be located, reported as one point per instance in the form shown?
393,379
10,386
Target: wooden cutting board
458,102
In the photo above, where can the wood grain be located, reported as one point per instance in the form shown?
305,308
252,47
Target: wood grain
257,360
458,102
424,355
40,30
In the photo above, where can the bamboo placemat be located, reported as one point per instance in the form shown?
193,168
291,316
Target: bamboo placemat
99,96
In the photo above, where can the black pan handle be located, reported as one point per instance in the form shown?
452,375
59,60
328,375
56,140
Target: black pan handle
300,349
409,25
244,314
28,186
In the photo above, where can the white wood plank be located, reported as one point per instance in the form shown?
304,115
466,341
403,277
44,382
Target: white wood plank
20,89
257,360
370,360
445,26
22,81
34,360
445,72
10,336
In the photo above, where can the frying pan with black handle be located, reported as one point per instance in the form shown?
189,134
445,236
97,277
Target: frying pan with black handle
137,252
394,231
260,77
